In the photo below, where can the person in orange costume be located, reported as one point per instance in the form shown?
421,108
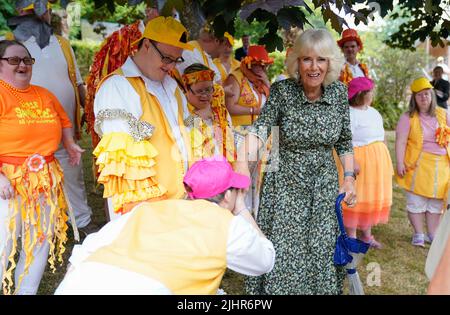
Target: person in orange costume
247,87
32,122
351,45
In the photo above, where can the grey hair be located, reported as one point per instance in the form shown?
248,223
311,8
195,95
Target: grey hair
321,42
216,199
413,105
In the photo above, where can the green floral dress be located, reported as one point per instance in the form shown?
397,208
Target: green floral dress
297,198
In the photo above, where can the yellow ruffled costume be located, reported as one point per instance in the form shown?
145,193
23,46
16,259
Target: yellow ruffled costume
35,190
126,170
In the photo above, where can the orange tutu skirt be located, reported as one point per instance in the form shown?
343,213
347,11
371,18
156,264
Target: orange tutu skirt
373,187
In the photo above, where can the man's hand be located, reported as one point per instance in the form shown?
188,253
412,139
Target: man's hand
74,152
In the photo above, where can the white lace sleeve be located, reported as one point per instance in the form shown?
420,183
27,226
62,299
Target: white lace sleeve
117,95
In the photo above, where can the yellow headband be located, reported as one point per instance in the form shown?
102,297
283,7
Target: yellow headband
199,76
229,38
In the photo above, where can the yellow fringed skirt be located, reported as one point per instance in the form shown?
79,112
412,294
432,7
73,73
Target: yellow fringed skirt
37,188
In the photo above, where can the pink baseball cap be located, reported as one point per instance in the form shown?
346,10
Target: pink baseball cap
358,85
210,177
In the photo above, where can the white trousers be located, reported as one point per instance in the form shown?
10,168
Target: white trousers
75,188
31,280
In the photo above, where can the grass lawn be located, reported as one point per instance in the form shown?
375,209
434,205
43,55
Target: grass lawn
398,268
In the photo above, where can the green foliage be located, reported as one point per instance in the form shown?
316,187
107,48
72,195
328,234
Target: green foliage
392,69
7,10
278,66
421,19
100,11
392,79
84,53
255,29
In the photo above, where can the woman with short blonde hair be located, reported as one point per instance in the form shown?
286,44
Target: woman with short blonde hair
323,44
296,210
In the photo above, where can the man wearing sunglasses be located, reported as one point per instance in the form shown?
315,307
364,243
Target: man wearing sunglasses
55,68
139,112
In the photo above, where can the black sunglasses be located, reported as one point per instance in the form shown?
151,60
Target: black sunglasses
14,61
167,60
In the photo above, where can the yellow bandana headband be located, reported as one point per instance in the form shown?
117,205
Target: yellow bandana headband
199,76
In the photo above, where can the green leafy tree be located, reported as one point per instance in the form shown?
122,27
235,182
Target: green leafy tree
7,10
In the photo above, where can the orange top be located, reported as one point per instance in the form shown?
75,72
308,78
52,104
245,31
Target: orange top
31,121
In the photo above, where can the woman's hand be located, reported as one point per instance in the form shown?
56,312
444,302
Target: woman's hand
401,169
74,152
240,202
350,192
6,190
263,77
241,167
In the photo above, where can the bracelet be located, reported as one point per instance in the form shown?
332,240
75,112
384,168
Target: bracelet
350,173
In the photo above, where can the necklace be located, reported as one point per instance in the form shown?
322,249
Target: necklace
15,92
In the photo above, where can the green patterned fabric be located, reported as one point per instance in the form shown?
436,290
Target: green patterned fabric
297,201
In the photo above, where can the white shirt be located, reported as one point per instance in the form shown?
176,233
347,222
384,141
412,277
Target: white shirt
117,93
247,253
51,72
366,126
195,56
356,70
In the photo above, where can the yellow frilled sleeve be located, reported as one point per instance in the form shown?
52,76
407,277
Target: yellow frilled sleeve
126,169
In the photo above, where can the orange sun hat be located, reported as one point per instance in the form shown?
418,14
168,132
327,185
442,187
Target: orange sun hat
258,54
350,35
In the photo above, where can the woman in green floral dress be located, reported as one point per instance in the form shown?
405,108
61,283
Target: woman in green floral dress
297,199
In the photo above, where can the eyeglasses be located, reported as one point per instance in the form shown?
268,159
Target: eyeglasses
205,92
14,61
167,60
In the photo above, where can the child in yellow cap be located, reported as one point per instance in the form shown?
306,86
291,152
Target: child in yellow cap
422,151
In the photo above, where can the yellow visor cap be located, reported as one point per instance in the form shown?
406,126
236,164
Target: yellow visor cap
420,84
168,31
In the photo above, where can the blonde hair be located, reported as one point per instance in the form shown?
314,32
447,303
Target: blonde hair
321,42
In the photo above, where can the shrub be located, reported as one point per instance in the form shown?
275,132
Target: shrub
84,52
277,67
393,70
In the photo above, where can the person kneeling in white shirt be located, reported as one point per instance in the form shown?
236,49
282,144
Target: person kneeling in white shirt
175,246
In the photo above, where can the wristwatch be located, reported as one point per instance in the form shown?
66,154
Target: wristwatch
350,173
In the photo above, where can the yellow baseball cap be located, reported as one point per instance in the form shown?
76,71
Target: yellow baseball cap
168,31
420,84
229,37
